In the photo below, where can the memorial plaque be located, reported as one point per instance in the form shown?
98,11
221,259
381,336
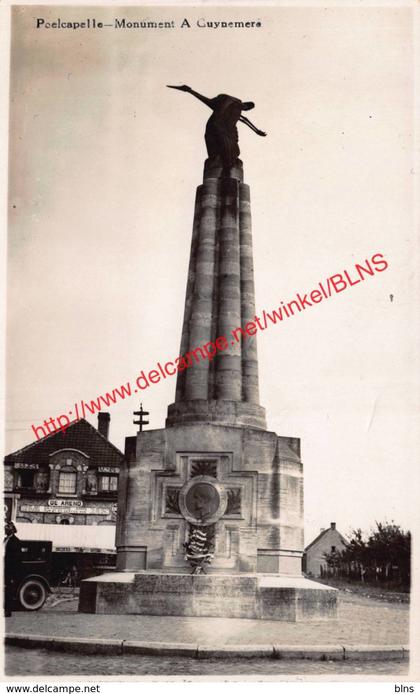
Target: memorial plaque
202,500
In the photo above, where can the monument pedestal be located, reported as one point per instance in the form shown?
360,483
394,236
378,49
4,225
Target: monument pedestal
254,481
257,533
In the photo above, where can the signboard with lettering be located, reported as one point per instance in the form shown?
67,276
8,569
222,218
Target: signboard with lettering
26,466
88,510
65,502
112,470
87,550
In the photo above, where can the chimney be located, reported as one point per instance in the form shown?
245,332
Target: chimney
103,423
332,526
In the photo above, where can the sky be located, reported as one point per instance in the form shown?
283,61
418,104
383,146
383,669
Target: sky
103,166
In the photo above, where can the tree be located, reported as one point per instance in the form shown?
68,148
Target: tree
383,556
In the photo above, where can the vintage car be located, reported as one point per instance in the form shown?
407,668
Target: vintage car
32,579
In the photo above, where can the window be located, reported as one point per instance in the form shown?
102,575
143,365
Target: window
42,480
67,482
108,483
332,548
25,479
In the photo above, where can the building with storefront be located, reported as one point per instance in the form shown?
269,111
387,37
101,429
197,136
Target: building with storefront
63,488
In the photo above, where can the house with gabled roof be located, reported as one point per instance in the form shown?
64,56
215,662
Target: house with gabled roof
328,540
63,488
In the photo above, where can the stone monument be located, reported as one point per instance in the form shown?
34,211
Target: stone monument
210,508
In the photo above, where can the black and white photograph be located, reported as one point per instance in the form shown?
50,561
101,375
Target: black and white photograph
211,413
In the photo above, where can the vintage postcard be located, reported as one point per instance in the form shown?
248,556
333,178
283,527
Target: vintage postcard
211,452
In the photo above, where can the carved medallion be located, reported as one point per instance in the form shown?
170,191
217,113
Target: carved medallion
202,501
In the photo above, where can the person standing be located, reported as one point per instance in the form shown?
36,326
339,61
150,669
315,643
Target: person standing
12,559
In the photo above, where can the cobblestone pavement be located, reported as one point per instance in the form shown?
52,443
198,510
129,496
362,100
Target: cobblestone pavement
40,662
361,621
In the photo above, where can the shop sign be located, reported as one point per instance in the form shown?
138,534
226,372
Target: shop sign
89,511
65,502
85,550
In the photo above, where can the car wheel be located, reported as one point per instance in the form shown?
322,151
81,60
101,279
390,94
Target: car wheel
32,594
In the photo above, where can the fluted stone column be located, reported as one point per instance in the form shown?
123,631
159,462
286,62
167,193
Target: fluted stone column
229,367
180,383
250,391
200,323
219,300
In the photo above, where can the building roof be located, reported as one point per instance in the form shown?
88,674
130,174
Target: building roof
79,435
325,532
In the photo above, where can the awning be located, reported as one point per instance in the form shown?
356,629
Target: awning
71,538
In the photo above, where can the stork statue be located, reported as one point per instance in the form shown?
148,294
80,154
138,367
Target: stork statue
221,134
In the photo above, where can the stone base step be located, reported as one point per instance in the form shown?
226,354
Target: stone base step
246,596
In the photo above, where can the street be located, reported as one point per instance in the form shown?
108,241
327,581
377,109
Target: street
21,661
